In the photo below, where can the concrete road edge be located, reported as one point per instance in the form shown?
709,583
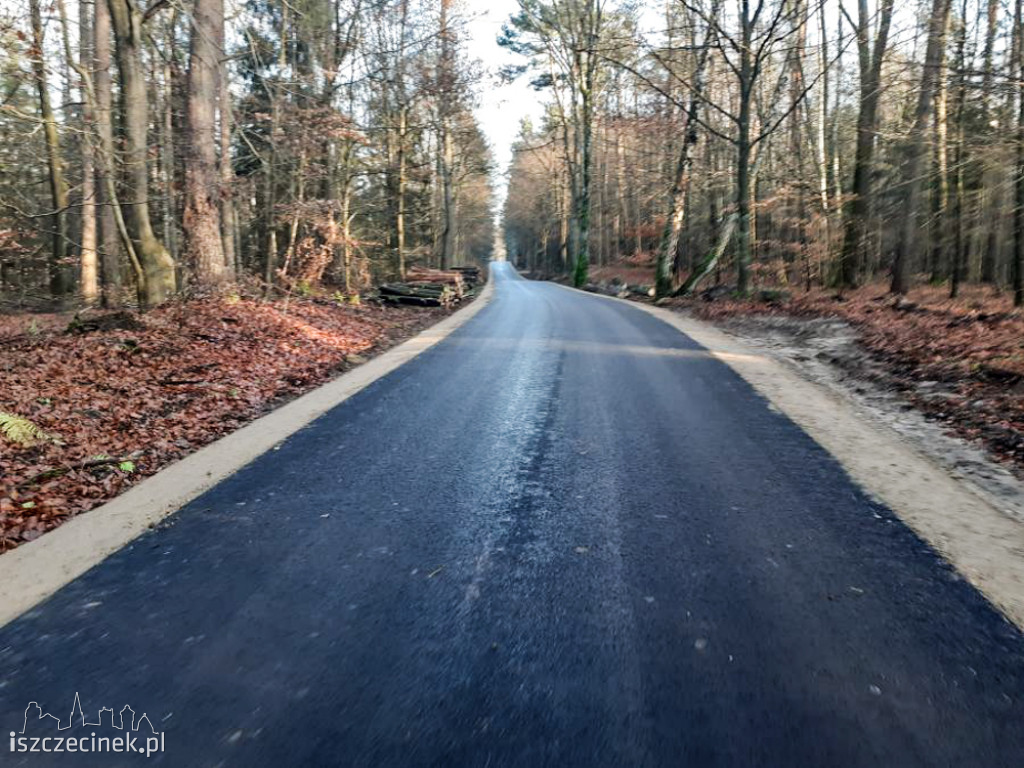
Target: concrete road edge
34,571
984,544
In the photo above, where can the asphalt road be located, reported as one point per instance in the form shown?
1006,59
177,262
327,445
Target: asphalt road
562,537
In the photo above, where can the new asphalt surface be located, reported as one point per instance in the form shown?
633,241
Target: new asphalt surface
565,536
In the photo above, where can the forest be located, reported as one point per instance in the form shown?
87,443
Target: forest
164,149
773,143
147,151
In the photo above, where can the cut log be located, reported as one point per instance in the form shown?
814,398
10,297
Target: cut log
470,275
414,301
413,289
418,294
451,278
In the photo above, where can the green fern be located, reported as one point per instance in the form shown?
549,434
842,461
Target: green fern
20,430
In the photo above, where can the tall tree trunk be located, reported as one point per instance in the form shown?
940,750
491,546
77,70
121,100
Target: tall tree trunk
563,220
108,237
59,283
156,262
204,247
684,164
940,189
958,254
916,146
858,209
797,119
836,165
89,282
582,266
397,110
584,74
821,127
743,148
1017,262
602,194
271,158
229,224
400,182
346,232
166,166
621,206
991,172
446,93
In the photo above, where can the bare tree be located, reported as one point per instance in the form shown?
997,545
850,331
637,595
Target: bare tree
870,56
938,22
89,259
204,247
160,281
1017,262
561,39
108,237
58,186
684,164
446,155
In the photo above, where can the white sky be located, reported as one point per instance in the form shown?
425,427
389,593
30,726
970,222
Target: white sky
502,106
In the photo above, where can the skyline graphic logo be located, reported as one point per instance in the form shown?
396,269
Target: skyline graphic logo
127,733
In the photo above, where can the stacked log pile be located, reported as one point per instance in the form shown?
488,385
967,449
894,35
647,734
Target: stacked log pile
449,278
470,275
431,287
418,294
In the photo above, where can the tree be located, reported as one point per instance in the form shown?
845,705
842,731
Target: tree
938,22
90,275
1017,261
108,235
156,268
561,39
869,58
204,247
58,187
680,184
446,152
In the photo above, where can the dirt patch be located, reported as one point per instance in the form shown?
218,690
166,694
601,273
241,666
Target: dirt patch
960,362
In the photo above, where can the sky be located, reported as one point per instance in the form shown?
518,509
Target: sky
502,106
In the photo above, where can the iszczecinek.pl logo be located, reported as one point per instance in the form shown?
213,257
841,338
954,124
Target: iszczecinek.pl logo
120,732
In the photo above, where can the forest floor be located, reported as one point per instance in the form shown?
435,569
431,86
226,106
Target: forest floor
122,395
946,374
